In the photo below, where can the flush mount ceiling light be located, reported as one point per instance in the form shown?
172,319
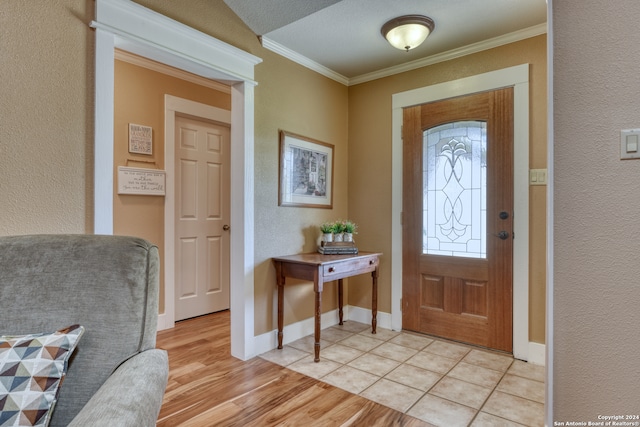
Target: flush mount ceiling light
407,32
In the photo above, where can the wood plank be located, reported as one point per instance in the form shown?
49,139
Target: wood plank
207,386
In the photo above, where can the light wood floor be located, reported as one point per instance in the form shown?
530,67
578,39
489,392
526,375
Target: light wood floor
209,387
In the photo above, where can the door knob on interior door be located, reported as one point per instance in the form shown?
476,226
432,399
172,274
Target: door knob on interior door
226,227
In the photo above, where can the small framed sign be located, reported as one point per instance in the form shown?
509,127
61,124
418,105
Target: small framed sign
140,139
141,181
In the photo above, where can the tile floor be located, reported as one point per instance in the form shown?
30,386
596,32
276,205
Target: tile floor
440,382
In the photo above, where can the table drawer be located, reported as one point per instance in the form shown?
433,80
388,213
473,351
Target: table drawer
349,267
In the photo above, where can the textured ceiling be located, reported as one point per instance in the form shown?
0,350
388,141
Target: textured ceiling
344,35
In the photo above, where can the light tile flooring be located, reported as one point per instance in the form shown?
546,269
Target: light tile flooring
440,382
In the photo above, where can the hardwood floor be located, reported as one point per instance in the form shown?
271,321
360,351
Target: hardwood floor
209,387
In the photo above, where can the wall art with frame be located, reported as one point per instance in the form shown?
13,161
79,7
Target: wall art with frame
306,172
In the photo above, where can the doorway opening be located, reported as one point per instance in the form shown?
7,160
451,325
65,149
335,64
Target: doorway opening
130,27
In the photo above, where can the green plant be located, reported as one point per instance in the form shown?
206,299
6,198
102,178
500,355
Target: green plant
326,227
338,227
350,226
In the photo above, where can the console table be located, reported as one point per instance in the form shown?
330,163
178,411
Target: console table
320,269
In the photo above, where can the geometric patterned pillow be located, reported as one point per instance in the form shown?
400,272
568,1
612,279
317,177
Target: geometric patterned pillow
32,368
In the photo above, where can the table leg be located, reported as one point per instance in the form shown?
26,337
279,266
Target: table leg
374,301
340,301
280,283
316,344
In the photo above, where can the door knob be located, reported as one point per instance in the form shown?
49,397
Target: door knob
504,235
504,215
226,227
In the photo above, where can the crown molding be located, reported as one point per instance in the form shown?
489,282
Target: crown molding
303,60
423,62
513,37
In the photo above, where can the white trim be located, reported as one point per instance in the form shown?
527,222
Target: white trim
518,77
103,134
549,383
363,315
537,353
303,60
125,25
139,61
419,63
172,107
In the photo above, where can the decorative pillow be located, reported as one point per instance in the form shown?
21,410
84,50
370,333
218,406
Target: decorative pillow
32,368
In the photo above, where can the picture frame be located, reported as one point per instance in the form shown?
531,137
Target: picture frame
140,139
306,172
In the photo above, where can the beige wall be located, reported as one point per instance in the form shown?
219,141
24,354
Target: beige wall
139,98
291,98
370,162
596,208
46,117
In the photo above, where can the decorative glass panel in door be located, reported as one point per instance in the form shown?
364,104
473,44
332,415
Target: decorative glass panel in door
455,190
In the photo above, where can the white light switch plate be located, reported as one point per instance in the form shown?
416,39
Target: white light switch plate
630,144
537,177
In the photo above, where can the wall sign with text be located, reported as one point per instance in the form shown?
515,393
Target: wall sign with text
149,182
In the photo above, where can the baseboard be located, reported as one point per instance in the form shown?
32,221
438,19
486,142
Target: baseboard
537,353
268,341
363,315
162,322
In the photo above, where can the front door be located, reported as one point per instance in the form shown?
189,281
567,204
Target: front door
202,188
458,219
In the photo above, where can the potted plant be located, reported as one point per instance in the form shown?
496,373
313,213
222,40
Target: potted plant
349,228
338,229
326,228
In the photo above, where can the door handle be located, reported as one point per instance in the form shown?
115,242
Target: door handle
226,227
504,235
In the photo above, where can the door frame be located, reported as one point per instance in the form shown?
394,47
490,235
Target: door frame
518,77
127,26
174,106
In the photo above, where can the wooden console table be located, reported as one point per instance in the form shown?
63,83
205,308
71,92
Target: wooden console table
320,269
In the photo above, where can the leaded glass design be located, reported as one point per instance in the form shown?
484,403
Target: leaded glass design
455,190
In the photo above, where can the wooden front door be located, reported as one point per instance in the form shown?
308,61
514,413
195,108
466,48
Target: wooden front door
458,219
202,264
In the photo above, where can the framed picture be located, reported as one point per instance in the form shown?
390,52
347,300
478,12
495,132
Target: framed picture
306,172
140,139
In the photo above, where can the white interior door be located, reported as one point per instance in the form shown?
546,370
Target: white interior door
202,190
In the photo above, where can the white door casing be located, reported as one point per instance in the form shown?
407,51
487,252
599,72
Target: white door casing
133,28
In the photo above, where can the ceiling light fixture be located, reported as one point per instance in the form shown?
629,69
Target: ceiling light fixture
407,32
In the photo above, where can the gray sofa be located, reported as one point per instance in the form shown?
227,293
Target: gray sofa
109,285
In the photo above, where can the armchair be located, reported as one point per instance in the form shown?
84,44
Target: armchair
109,285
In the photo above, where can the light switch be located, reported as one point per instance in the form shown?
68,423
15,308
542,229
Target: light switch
537,177
632,143
629,144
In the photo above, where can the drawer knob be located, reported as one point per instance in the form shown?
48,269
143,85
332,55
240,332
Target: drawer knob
371,262
331,269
